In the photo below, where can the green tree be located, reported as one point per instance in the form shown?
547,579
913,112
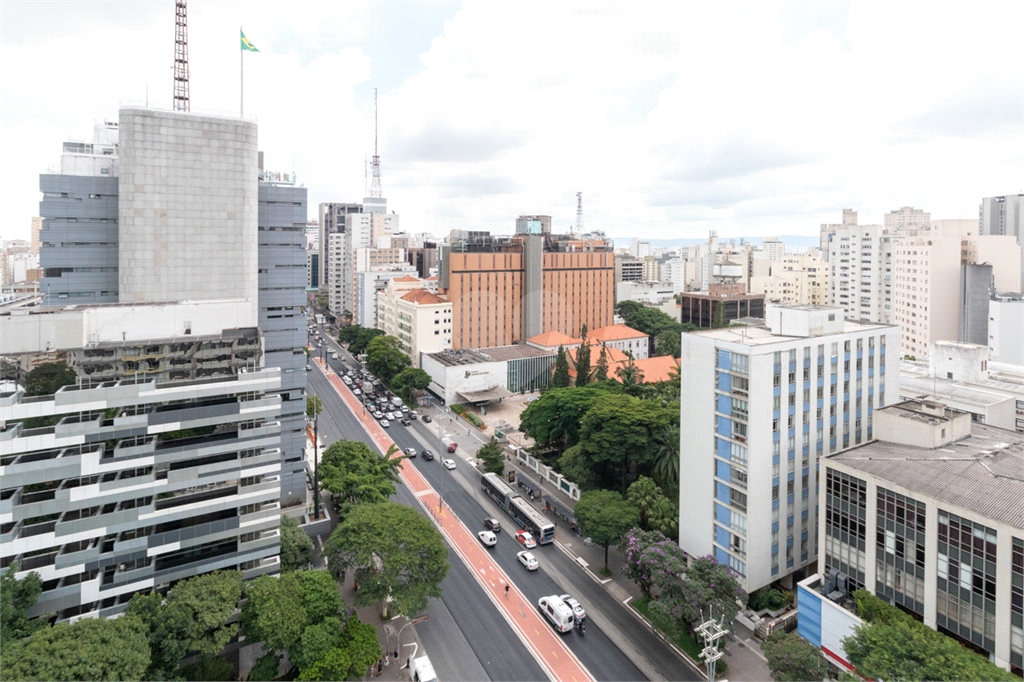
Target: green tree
91,649
266,668
791,658
492,457
650,321
582,363
656,511
718,319
357,475
323,301
46,379
668,343
708,585
601,368
16,598
167,630
630,376
358,648
908,650
409,379
209,601
363,337
553,420
604,517
619,432
296,546
560,379
320,595
349,334
666,458
315,642
274,611
577,466
209,668
314,406
394,552
385,358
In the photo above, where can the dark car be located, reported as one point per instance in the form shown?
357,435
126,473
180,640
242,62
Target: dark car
427,455
427,419
412,415
493,525
406,422
453,447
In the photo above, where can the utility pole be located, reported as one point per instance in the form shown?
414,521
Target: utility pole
316,465
711,631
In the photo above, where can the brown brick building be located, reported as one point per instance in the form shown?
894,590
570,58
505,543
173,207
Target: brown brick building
507,289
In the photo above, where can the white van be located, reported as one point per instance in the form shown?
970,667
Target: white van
421,670
557,611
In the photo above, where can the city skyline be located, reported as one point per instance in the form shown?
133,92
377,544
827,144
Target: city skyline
770,124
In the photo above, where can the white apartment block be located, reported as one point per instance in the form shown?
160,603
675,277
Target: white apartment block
652,269
1006,329
762,406
795,279
641,248
419,319
926,291
773,248
860,272
370,283
362,231
907,220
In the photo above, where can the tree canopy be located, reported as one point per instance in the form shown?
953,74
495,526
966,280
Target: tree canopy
357,337
394,551
707,585
604,517
656,511
296,546
409,379
91,649
553,420
357,475
16,598
385,358
601,368
560,378
652,322
46,379
791,658
582,362
492,457
314,406
356,649
208,600
618,431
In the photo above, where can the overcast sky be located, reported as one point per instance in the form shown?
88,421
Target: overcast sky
672,118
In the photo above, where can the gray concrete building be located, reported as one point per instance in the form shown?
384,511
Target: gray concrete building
282,295
161,463
191,190
975,292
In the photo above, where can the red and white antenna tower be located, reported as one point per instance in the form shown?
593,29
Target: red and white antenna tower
579,212
375,189
180,55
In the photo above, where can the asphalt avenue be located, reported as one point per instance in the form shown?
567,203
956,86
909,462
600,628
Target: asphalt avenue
615,647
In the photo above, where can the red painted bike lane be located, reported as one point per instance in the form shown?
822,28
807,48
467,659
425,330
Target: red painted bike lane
533,629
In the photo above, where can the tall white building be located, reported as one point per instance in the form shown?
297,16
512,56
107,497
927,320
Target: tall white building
762,405
641,248
419,319
774,248
860,272
908,219
357,230
926,291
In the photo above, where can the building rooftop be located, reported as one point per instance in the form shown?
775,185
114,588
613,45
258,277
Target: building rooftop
615,332
749,335
469,356
406,278
553,338
423,297
983,472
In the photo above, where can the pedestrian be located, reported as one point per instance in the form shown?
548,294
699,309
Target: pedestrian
387,660
506,591
380,667
355,585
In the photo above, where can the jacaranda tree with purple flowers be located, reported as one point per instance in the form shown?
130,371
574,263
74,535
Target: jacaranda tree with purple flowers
706,585
651,559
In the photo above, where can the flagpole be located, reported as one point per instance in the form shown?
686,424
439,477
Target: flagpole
241,79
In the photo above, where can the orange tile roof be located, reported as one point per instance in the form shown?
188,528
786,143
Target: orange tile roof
423,297
552,339
615,332
615,358
432,278
657,368
406,278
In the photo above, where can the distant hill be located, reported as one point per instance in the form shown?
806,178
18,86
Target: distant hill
792,241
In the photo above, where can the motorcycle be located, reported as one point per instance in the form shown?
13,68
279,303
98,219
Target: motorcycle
580,627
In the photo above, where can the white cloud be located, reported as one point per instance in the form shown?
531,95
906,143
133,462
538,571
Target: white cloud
672,118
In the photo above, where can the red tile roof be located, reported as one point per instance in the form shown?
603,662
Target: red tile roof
423,297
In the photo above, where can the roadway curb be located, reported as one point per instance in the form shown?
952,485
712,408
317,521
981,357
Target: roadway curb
658,633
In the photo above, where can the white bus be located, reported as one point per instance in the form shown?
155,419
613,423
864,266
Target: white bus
497,489
530,519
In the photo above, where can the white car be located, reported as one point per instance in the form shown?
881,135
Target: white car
385,423
488,538
411,452
347,380
527,559
577,610
448,463
356,391
390,415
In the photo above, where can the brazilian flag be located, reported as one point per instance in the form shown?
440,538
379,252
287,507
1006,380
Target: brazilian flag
246,45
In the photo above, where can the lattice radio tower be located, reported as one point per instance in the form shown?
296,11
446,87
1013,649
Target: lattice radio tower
375,189
579,212
180,55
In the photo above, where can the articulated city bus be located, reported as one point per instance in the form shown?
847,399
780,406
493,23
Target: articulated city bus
497,489
529,518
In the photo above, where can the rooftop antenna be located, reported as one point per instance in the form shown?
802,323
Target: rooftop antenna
366,176
375,189
180,55
579,212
